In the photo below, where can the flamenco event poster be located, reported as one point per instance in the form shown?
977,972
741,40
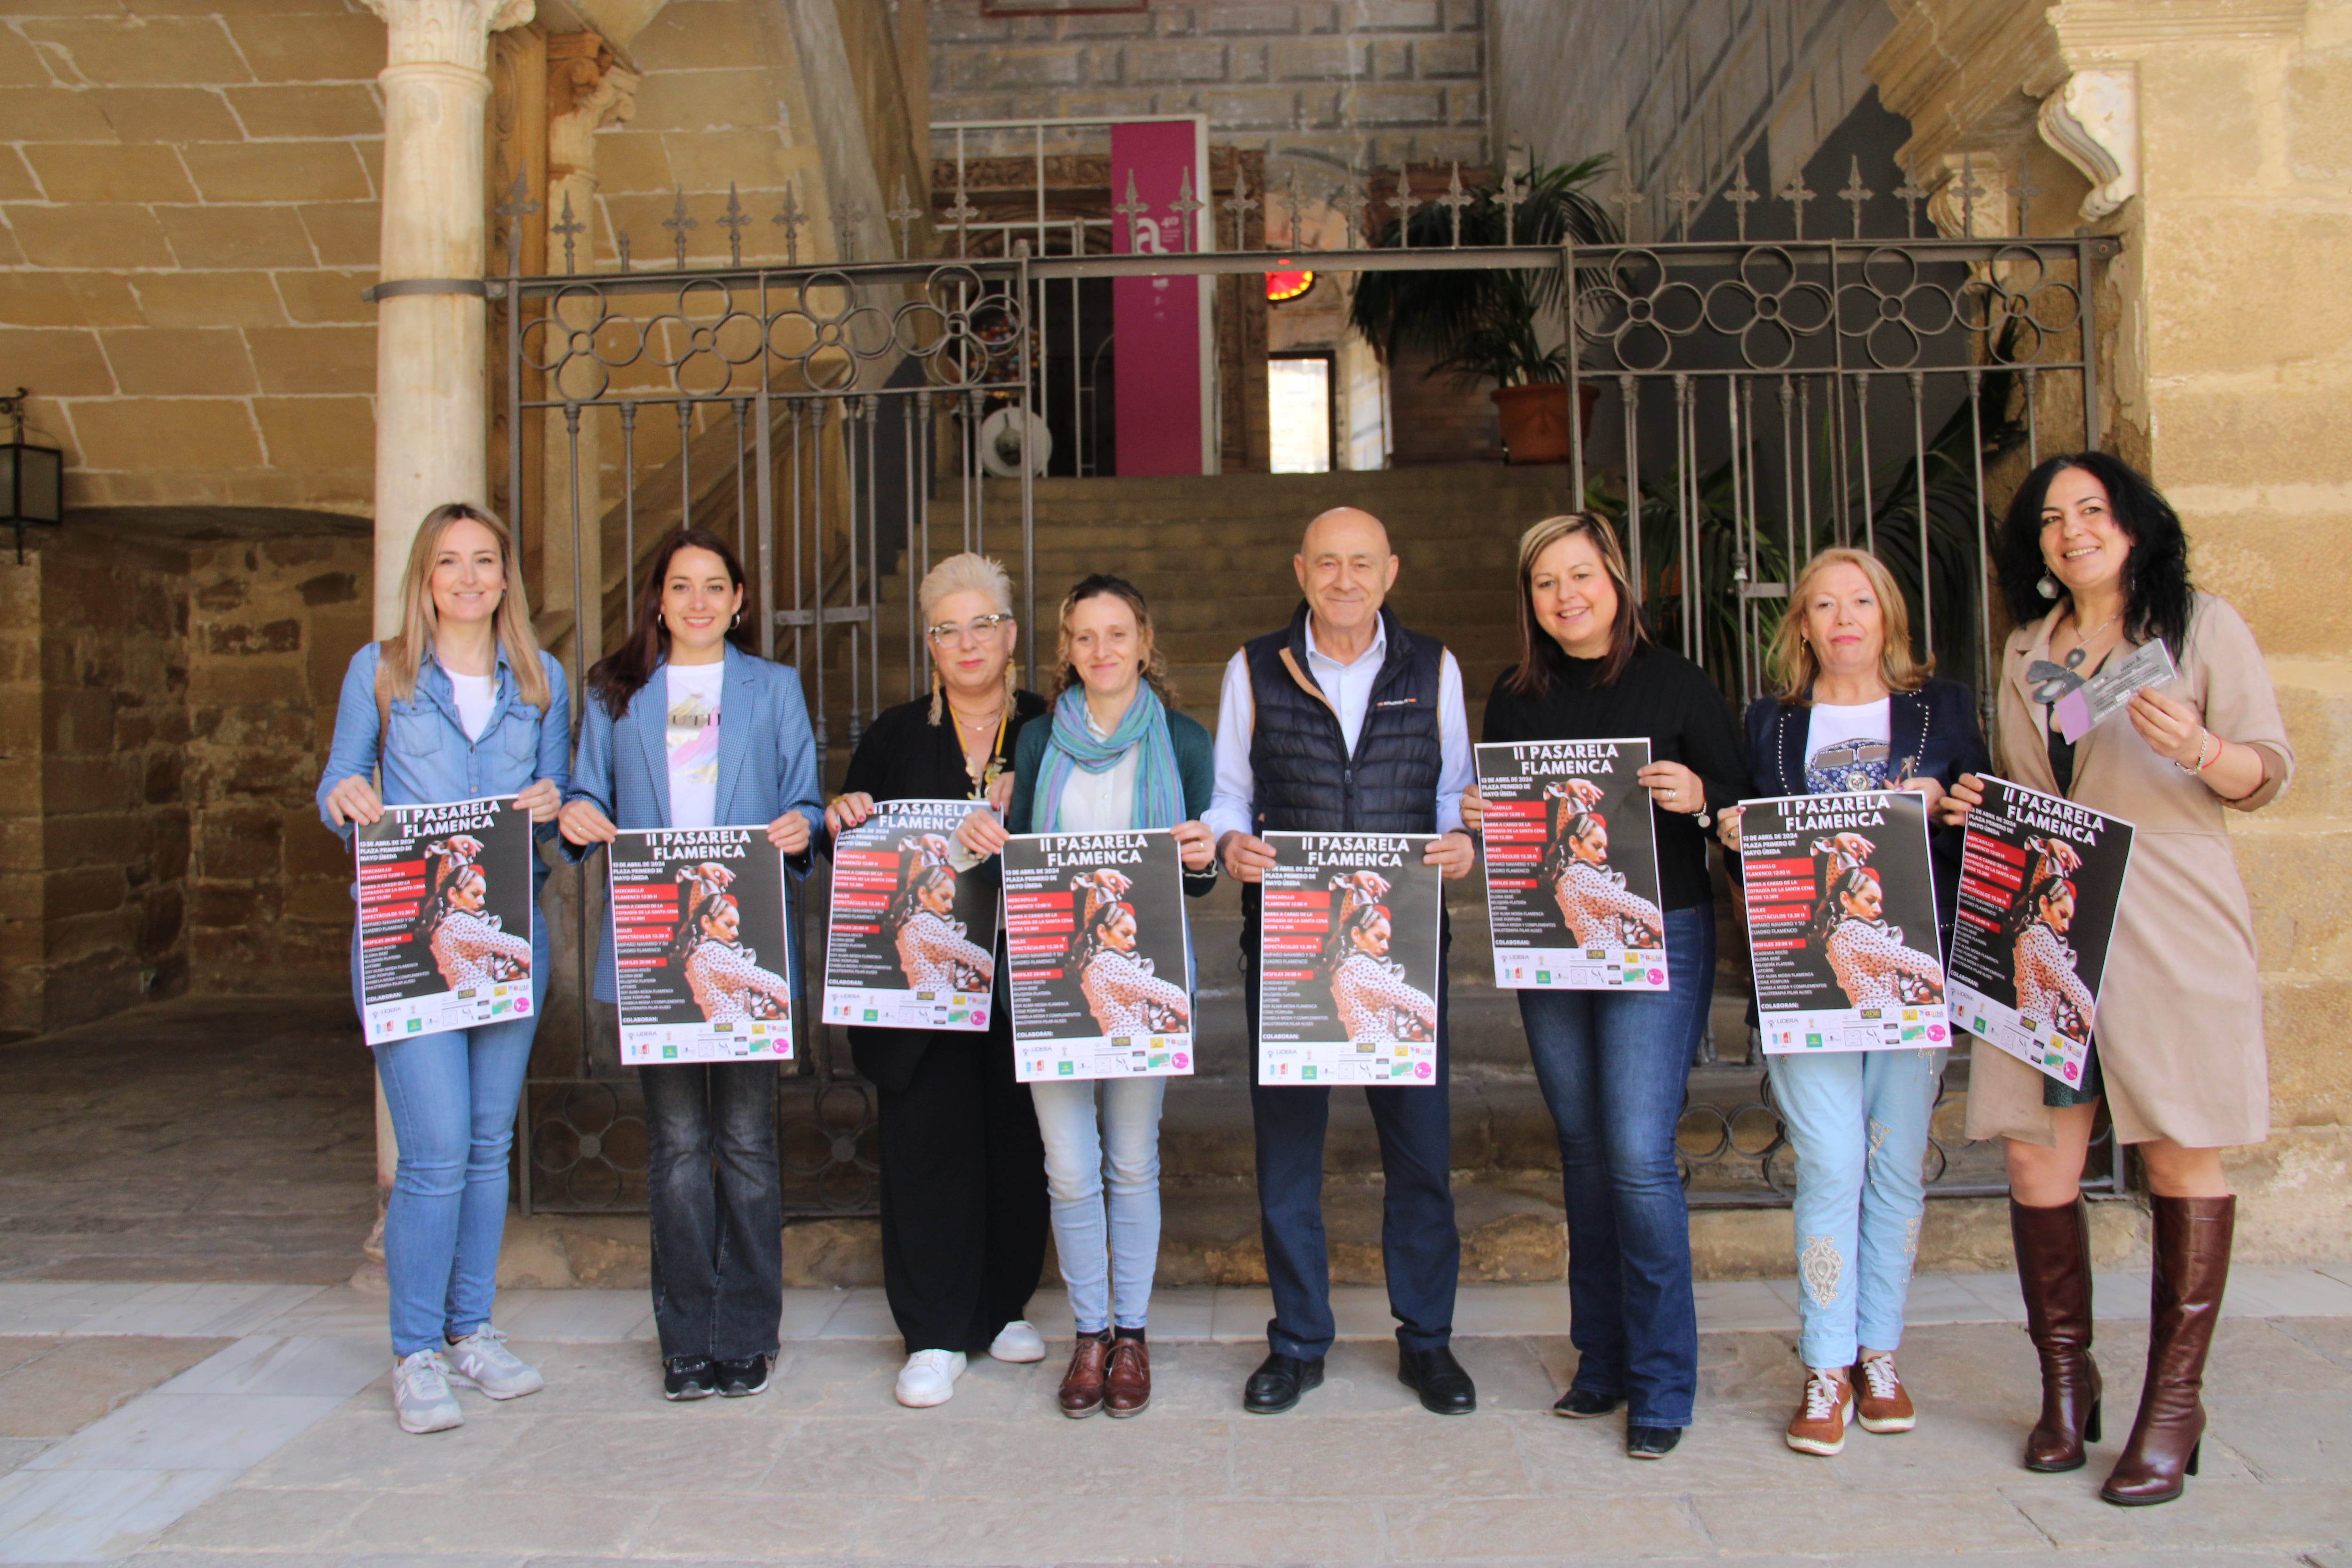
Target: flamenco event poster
1100,953
444,917
702,969
1347,984
2041,879
912,944
1841,923
1571,867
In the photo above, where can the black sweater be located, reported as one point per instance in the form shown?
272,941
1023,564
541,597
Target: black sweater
1661,695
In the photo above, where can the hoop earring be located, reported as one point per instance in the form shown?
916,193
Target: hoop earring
737,622
2047,587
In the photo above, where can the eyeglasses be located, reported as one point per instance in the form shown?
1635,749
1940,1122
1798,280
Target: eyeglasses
978,628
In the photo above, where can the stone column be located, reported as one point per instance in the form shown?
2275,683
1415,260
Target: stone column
431,410
432,415
586,88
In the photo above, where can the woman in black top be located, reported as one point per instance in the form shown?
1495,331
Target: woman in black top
963,1170
1613,1064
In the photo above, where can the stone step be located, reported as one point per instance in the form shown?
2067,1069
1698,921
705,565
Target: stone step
1475,615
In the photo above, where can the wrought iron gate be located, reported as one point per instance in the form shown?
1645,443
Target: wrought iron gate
1758,400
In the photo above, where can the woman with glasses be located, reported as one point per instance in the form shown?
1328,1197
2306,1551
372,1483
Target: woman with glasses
963,1171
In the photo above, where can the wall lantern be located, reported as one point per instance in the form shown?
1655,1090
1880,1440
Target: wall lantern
1281,286
32,477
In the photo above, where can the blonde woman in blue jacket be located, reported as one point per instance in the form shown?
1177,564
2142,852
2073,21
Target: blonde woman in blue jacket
683,729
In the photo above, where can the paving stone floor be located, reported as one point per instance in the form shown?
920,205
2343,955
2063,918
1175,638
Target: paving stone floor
278,1449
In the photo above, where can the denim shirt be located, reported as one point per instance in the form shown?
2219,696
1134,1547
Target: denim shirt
429,758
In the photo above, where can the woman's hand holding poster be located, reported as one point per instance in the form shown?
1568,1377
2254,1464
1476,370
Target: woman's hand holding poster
1100,954
1571,866
2040,881
912,945
1841,923
704,974
1347,977
444,917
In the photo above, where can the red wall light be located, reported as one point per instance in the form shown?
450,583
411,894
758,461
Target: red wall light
1282,286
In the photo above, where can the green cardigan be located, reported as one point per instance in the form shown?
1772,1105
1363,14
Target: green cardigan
1196,766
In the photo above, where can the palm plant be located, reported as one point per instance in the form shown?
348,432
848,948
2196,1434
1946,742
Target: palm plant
1484,323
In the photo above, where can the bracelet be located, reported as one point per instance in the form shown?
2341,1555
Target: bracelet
2204,762
2204,739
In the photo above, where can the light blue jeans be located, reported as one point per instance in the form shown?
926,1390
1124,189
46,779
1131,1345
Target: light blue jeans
452,1097
1089,1155
1858,1123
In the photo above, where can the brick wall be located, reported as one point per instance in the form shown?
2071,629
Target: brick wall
187,215
1330,84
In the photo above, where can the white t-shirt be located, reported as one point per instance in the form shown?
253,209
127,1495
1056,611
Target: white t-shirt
693,729
476,694
1847,748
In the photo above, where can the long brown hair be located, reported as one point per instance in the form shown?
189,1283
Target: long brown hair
1106,585
1627,635
418,620
621,674
1792,660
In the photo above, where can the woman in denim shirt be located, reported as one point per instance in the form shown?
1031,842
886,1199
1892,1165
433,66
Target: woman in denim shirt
462,705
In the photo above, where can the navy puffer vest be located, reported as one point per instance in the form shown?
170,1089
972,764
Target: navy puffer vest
1305,779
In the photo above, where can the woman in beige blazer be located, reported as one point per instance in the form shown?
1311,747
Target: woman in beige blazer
2177,1050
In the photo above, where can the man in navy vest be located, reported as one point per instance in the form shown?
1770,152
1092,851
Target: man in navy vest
1346,723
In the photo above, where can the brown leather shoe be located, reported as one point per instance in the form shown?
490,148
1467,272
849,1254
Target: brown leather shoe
2193,1265
1129,1378
1082,1385
2054,1270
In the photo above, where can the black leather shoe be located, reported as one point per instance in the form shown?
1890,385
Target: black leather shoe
689,1377
1444,1388
1278,1382
1583,1404
1651,1442
738,1377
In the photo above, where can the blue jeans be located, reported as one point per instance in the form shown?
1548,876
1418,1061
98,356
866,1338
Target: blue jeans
1614,1065
1108,1268
1420,1248
452,1097
1858,1122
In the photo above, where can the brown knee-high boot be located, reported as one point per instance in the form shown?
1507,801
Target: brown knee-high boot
2054,1268
2193,1265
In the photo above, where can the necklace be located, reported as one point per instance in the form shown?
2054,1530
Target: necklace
978,725
2082,648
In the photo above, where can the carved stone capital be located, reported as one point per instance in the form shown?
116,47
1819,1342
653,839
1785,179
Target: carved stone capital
446,32
1973,200
2093,121
587,86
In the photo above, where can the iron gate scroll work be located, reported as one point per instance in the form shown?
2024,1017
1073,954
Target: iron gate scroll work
1892,373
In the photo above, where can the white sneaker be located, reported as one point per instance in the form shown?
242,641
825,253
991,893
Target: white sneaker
1018,1341
929,1378
421,1396
482,1359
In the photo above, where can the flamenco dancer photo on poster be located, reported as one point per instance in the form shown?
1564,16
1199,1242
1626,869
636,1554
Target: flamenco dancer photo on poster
1126,996
469,946
934,952
1601,912
1874,966
721,972
1375,1003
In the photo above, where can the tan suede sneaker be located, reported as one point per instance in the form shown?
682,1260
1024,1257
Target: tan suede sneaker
1881,1401
1819,1426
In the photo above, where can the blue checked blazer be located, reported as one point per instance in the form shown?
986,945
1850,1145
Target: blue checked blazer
767,766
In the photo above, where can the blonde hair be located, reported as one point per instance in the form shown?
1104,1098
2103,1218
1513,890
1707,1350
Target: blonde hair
418,620
1792,660
964,573
1627,634
1104,585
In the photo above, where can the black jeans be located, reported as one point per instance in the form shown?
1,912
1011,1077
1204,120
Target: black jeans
963,1192
716,1193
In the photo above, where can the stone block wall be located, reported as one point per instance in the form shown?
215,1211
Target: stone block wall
1332,84
187,217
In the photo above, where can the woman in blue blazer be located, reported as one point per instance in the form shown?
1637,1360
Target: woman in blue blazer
683,729
1855,712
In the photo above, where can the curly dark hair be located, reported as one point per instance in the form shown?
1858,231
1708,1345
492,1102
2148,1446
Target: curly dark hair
2156,577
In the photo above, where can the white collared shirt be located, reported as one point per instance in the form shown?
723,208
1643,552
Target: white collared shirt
1103,801
1348,688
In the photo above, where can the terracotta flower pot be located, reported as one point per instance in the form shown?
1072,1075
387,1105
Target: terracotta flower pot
1534,419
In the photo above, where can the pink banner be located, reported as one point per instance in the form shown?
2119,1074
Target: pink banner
1156,321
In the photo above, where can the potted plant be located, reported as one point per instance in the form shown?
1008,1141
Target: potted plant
1486,323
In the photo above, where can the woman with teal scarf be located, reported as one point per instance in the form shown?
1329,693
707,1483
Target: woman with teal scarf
1116,758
